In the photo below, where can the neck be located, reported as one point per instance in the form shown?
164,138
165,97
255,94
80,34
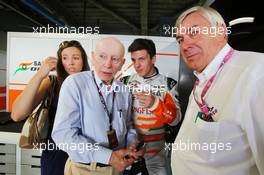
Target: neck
200,70
108,82
217,50
151,72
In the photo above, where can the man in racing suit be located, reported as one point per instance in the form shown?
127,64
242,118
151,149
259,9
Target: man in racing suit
154,106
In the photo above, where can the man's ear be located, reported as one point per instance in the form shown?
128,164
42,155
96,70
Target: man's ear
153,59
221,31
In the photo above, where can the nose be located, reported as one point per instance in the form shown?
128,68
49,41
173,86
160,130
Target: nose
136,64
108,62
186,41
71,61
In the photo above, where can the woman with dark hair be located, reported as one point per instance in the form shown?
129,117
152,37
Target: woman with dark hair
71,59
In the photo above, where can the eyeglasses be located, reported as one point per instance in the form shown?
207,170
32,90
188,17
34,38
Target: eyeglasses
103,58
69,43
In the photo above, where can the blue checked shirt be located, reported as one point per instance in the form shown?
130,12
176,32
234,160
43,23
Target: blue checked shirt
81,123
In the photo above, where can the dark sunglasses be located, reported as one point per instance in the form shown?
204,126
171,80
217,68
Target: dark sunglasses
69,43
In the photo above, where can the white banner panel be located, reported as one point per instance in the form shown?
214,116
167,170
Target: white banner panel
25,51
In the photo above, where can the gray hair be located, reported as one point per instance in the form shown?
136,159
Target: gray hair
213,17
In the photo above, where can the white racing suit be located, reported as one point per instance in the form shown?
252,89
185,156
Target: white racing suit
151,122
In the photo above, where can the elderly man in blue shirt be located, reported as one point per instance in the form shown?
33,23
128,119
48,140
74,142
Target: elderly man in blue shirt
92,122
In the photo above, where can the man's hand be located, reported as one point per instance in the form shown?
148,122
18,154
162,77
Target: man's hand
145,99
122,158
133,147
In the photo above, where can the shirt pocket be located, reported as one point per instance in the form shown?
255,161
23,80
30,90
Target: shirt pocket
203,138
120,125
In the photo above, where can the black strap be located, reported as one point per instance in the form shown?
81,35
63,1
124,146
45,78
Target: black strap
53,80
110,115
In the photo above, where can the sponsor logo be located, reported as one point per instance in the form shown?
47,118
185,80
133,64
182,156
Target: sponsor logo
28,66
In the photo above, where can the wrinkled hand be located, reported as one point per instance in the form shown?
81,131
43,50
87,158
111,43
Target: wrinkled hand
49,64
123,158
145,99
133,147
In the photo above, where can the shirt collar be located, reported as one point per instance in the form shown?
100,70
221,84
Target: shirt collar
211,68
154,74
99,82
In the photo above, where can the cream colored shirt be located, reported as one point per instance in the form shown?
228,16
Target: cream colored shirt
234,143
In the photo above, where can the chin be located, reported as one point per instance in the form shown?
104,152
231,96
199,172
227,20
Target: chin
107,78
140,74
70,73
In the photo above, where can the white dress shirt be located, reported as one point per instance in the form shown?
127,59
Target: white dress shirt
234,143
81,122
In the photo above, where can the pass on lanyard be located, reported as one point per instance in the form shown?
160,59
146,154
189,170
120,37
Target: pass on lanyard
203,105
111,134
109,114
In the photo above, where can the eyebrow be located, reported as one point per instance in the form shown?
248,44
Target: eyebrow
188,31
137,58
101,53
191,28
104,53
177,37
73,54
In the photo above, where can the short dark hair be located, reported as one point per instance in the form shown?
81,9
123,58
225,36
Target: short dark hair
143,44
62,74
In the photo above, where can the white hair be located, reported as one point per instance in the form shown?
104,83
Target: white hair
213,17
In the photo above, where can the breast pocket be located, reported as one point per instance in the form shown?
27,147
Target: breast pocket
203,138
121,114
120,123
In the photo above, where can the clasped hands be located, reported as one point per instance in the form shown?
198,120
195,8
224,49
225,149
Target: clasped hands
122,158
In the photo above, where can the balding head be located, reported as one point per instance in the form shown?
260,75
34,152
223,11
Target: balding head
108,58
113,44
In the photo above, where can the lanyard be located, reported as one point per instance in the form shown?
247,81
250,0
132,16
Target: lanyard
204,106
110,115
